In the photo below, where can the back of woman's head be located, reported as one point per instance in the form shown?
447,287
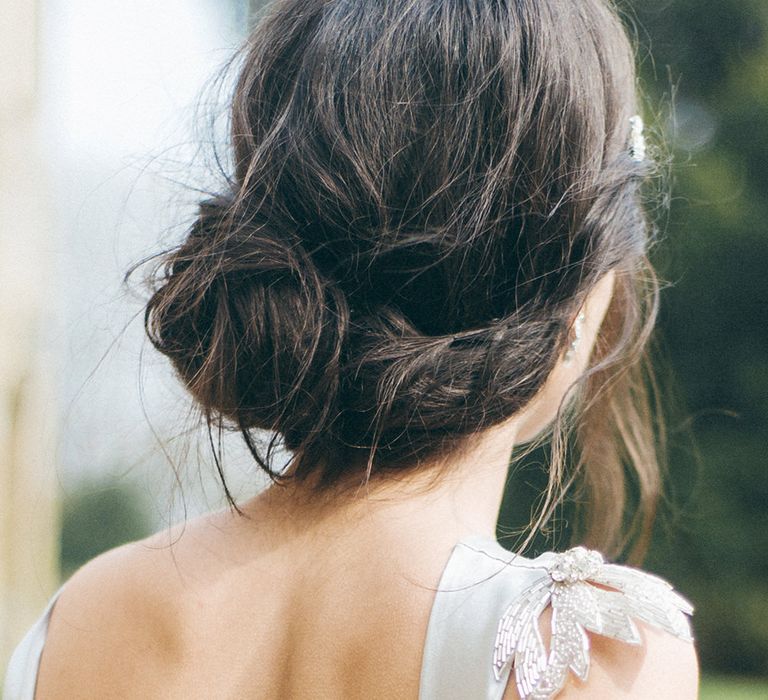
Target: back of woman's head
423,195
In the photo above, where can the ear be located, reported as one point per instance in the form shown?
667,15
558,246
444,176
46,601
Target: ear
541,411
585,326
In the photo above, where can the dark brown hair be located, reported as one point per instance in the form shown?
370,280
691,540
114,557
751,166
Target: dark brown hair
422,195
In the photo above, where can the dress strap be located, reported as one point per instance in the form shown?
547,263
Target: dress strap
21,674
473,594
484,623
623,596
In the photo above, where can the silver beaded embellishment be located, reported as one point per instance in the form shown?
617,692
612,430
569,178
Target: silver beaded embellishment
577,607
636,138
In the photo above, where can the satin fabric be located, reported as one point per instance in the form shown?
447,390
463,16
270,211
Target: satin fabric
21,674
479,582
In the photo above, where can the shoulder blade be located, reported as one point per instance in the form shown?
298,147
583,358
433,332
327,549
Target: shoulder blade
105,630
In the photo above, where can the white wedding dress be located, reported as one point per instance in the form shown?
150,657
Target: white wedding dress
484,622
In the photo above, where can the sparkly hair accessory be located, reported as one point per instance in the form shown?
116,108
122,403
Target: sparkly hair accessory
636,139
622,596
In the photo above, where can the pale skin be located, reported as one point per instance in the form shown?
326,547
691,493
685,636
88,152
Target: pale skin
314,598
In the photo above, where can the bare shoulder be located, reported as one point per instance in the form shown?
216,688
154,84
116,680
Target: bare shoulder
111,628
663,667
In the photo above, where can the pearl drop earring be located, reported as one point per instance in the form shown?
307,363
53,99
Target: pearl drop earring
577,328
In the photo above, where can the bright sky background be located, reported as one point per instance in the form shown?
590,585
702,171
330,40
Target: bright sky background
118,86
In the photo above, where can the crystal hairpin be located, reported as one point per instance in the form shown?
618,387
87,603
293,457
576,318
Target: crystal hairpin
636,139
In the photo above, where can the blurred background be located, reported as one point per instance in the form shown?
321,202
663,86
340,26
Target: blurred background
105,122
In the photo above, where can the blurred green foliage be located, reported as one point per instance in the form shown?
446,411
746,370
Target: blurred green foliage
97,515
715,316
732,689
704,67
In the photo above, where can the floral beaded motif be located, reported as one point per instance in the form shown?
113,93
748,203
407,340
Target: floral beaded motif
577,564
578,607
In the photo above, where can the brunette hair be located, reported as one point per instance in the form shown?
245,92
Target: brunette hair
422,196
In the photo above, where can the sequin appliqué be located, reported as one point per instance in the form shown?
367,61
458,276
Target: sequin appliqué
578,606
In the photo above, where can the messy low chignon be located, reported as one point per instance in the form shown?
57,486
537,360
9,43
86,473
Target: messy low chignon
422,196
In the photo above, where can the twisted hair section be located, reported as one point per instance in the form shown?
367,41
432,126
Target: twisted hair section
422,196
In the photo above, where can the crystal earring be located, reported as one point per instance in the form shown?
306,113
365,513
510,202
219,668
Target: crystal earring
636,139
577,328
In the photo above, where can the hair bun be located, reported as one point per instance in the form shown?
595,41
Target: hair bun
414,227
251,326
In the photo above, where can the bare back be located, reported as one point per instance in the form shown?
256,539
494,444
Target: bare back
230,611
298,619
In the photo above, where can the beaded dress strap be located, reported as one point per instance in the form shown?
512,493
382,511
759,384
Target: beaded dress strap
627,594
484,623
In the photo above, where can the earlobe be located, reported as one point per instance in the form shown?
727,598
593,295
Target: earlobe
587,322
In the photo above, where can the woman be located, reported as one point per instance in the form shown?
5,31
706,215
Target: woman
431,251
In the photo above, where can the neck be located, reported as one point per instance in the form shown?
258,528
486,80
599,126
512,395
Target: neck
433,506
